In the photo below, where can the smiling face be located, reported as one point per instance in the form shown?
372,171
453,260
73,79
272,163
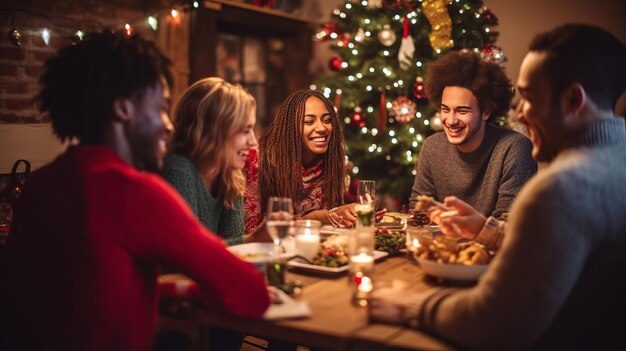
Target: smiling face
149,128
462,119
240,143
538,110
317,129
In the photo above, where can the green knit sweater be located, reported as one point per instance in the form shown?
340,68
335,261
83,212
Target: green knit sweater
184,176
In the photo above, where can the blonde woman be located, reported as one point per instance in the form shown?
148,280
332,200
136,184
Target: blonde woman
214,123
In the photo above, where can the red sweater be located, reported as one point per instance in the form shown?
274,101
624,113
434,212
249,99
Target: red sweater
81,264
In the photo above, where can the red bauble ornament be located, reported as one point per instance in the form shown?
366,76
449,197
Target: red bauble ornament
335,63
418,88
357,118
403,109
493,54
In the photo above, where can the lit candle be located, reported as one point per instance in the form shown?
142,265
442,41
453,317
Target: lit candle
308,244
361,263
366,285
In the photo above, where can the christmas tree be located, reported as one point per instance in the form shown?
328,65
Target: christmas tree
383,48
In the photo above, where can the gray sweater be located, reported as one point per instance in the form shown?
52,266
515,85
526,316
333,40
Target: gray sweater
183,175
487,178
559,279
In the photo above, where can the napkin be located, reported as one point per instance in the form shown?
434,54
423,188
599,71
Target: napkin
288,308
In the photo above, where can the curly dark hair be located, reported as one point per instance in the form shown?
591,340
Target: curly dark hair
486,80
584,54
82,82
280,158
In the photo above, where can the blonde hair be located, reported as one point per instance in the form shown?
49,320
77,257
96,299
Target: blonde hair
207,115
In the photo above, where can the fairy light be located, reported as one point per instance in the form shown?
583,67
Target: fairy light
414,143
412,130
342,15
355,52
45,35
487,30
414,20
350,45
394,141
372,70
196,4
364,130
344,64
426,122
389,104
153,23
388,157
80,34
364,2
346,120
348,6
379,149
419,137
414,172
338,91
368,33
128,29
370,109
367,21
176,18
333,35
368,88
396,17
374,131
418,63
359,75
386,53
355,170
351,78
392,133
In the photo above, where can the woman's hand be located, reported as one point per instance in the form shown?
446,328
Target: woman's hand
467,222
343,216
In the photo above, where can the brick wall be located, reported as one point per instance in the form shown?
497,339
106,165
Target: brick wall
21,67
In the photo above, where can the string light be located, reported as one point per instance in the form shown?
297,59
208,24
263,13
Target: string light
153,23
176,17
129,30
45,35
80,35
196,4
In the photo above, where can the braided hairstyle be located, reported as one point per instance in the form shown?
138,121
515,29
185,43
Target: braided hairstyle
83,81
280,157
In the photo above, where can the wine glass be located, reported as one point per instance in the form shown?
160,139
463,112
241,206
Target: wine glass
279,220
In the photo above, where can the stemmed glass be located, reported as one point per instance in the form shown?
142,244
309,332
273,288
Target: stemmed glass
279,221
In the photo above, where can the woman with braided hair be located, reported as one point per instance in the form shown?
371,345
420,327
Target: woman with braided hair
301,156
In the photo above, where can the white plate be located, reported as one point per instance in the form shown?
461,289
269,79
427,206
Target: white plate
329,230
259,253
457,272
301,264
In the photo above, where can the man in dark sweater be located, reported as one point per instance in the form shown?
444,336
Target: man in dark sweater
471,159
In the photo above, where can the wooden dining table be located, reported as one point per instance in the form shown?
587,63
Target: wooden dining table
335,323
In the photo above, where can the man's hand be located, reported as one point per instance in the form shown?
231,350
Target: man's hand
467,222
389,304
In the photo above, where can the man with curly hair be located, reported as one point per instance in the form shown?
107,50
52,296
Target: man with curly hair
472,159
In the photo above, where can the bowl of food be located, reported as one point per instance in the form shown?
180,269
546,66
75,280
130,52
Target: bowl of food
259,253
452,258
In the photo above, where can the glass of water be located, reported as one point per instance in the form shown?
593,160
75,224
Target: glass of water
279,221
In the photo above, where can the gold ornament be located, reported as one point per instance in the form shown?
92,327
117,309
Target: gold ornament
437,14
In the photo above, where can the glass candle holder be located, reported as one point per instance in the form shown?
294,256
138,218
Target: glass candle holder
307,234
